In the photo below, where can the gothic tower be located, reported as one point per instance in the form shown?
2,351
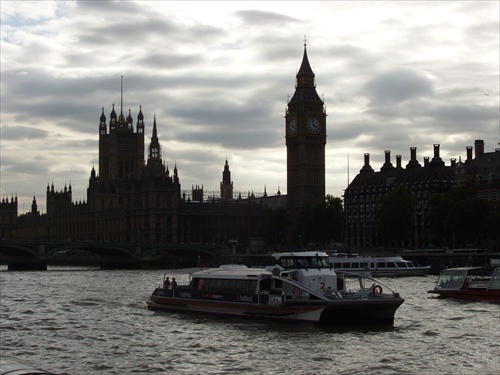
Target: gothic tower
121,150
226,186
305,129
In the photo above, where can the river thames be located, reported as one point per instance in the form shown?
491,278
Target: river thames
89,321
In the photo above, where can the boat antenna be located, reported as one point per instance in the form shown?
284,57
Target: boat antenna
121,100
347,169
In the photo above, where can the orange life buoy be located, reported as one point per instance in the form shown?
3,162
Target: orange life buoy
377,289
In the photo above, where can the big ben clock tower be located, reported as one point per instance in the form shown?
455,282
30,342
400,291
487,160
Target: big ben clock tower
305,127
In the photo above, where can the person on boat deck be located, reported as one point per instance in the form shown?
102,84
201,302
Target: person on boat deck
166,283
173,284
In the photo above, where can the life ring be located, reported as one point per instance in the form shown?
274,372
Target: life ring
377,289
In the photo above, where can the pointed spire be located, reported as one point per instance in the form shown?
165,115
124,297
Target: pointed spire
155,132
305,86
129,117
305,68
140,116
113,113
103,117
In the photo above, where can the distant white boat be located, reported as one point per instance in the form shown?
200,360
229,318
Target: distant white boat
393,266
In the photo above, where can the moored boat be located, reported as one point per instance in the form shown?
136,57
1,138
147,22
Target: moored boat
393,266
469,283
297,287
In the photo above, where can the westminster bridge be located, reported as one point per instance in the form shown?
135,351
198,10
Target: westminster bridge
34,255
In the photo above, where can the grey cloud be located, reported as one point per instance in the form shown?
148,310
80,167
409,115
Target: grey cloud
260,17
13,133
465,115
399,85
169,61
25,166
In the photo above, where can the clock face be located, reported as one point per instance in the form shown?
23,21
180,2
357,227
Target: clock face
313,125
292,125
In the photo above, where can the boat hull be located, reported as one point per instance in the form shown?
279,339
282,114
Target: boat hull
469,295
361,311
305,312
377,310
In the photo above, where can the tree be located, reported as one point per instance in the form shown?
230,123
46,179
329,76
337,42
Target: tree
460,217
276,224
321,222
395,217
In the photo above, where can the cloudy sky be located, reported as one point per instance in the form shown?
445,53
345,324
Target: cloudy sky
393,75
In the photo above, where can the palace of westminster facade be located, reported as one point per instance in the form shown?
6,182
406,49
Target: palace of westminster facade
133,200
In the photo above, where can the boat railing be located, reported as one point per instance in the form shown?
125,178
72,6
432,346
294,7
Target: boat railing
367,277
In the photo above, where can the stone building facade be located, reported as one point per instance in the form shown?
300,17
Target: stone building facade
365,193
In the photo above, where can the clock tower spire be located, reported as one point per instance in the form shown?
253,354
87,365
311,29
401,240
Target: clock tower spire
305,134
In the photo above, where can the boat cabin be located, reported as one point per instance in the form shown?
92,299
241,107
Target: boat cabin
468,278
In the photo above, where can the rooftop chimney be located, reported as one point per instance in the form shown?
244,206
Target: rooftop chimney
453,162
426,161
366,168
398,162
469,154
387,165
413,163
478,148
436,160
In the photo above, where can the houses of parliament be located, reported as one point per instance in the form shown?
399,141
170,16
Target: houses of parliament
130,199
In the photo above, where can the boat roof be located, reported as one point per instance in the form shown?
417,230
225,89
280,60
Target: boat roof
301,254
231,272
463,268
343,257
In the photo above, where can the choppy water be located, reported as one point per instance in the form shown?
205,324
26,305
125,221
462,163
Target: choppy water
89,321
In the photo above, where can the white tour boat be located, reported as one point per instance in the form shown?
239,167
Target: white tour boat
377,266
299,287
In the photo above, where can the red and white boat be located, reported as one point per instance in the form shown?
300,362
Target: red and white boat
299,287
469,283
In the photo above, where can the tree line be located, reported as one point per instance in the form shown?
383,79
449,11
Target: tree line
456,218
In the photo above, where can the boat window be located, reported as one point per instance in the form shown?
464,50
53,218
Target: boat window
303,263
457,279
495,280
381,265
225,285
401,264
286,263
252,286
444,279
278,284
319,261
346,265
355,265
219,284
241,286
265,284
451,279
337,265
391,265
